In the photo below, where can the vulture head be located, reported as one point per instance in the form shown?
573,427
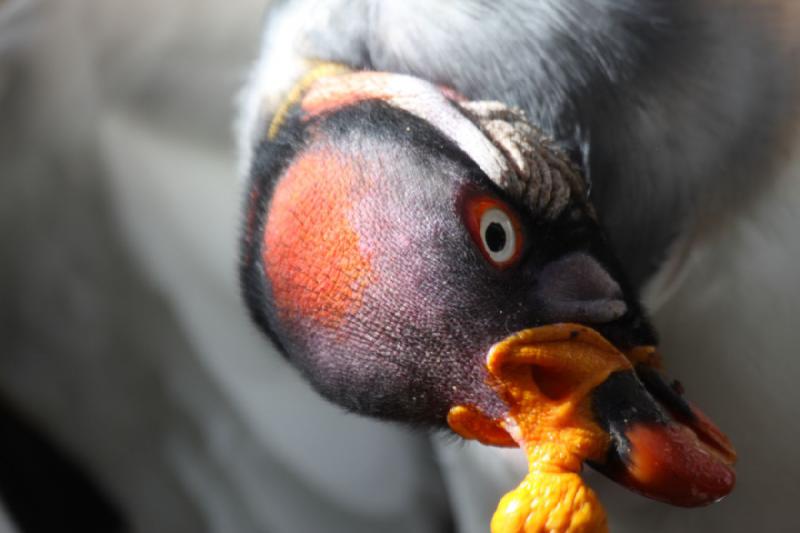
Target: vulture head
396,233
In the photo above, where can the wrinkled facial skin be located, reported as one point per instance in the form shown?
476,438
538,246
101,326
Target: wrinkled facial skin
358,261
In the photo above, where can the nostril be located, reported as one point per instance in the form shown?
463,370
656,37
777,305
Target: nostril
576,288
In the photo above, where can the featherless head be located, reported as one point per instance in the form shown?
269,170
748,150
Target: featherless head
425,258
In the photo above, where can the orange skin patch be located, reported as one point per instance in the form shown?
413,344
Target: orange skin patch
545,375
311,255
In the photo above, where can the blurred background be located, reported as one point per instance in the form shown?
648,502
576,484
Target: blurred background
136,395
123,336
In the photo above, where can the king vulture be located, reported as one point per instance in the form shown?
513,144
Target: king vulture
385,250
124,336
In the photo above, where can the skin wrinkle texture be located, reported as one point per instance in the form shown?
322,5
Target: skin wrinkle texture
410,285
312,254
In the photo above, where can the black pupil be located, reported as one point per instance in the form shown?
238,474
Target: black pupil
495,237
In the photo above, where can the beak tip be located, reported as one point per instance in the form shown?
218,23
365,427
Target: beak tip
662,446
671,464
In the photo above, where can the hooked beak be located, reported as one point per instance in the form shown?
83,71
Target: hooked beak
661,445
573,397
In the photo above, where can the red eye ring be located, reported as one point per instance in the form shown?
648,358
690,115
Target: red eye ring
495,228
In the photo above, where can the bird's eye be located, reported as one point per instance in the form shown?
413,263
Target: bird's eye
495,229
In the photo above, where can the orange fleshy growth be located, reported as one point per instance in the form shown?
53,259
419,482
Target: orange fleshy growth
550,502
646,355
545,376
471,424
312,256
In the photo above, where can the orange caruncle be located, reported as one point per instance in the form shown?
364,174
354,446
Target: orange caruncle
550,502
545,376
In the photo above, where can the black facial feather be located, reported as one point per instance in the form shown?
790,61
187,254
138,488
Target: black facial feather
270,161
